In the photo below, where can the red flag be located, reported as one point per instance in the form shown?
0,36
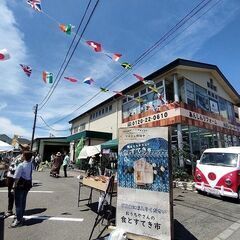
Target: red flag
96,46
116,56
139,77
71,79
118,93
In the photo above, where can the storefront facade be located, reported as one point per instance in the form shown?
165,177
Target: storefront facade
196,100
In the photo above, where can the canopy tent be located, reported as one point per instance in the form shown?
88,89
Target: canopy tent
5,147
111,144
89,151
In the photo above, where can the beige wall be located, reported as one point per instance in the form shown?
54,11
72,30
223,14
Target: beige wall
201,78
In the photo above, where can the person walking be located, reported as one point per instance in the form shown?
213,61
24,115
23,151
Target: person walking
57,163
65,164
22,185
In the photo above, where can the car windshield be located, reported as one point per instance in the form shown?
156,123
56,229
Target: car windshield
219,159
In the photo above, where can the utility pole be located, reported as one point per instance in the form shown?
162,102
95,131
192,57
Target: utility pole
34,124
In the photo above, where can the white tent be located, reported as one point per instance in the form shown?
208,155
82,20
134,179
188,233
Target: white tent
89,151
5,147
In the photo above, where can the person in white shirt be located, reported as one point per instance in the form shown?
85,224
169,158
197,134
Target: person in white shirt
22,184
65,164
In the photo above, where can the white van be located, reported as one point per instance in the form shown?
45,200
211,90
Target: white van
218,172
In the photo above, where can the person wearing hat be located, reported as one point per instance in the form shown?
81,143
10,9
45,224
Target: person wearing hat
57,162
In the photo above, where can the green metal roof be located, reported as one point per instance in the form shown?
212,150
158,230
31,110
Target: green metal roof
89,134
110,144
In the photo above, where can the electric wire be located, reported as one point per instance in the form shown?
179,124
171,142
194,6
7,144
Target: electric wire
149,50
66,56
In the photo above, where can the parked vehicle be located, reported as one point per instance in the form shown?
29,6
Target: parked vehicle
218,172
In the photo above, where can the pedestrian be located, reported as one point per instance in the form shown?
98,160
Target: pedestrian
10,178
57,162
65,164
37,161
22,185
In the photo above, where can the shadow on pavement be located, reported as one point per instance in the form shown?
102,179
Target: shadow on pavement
34,211
180,232
37,184
31,222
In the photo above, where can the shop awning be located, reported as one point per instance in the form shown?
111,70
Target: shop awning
89,134
4,147
111,144
89,151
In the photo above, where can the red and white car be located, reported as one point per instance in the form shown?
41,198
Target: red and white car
218,172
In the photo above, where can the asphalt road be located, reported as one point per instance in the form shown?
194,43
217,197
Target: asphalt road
55,201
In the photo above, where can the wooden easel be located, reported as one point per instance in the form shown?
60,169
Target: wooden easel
101,214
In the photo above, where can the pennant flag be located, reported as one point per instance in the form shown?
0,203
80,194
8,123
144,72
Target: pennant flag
154,89
89,81
104,89
71,79
149,82
140,78
4,55
138,100
116,56
26,69
35,4
47,77
126,65
118,93
66,28
96,46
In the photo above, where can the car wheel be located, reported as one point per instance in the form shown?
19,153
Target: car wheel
238,199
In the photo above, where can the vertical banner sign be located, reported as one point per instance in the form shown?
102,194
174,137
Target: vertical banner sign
143,203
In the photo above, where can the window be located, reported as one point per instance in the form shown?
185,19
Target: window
99,112
96,114
124,101
110,108
159,84
103,111
214,106
220,159
143,91
230,111
82,127
91,116
202,98
190,93
136,95
106,109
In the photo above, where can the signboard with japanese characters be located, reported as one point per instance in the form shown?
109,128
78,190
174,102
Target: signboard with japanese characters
143,204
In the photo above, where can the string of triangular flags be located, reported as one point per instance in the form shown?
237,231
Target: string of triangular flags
68,29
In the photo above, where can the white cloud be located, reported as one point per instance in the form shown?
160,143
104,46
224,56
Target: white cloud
11,39
9,128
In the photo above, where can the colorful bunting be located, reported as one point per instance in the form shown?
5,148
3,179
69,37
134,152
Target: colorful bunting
89,81
140,78
71,79
104,89
116,56
148,82
139,100
66,28
126,65
154,89
35,4
26,69
4,55
47,77
96,46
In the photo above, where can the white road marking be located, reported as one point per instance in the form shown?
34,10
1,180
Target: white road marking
5,191
52,218
228,232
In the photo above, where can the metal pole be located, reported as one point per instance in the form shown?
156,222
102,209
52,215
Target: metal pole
34,125
1,225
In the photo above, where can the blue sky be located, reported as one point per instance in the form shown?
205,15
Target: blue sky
127,27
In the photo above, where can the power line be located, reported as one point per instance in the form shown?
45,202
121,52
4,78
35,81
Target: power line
148,51
53,87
